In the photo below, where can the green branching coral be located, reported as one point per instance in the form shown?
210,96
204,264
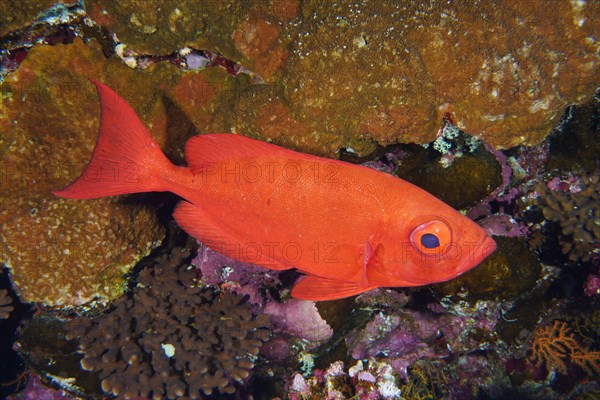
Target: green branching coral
169,338
578,215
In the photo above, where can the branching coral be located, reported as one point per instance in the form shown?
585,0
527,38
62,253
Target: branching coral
426,380
170,338
577,210
555,345
5,304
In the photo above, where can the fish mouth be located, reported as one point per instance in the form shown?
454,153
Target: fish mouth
487,247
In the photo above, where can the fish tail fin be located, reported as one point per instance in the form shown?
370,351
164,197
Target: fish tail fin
126,158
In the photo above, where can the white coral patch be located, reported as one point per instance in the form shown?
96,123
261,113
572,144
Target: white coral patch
169,349
389,390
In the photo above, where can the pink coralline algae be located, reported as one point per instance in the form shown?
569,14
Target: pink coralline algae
293,317
236,276
502,225
592,285
36,390
298,318
407,336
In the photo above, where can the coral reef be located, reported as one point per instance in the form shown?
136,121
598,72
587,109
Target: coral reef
15,14
503,71
238,277
508,273
591,286
63,252
5,304
292,317
419,61
407,335
36,390
426,380
476,173
170,338
554,345
375,380
575,206
298,318
159,27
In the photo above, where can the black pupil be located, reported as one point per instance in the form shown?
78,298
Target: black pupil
430,241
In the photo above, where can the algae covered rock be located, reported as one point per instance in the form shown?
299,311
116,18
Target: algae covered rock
510,271
161,27
386,72
64,252
15,14
356,74
468,179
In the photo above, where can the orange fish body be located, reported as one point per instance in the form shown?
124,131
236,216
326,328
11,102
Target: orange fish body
348,228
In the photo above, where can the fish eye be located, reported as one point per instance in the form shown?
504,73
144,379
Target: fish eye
431,238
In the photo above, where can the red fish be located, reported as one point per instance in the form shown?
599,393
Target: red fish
346,227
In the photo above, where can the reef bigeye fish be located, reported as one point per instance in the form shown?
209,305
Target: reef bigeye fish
346,227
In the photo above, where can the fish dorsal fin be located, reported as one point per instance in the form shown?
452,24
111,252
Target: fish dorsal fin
215,147
316,288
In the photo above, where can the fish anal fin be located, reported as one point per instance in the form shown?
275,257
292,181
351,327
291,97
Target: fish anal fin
317,288
197,223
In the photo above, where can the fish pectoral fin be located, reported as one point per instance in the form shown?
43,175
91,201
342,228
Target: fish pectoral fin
316,288
374,269
196,223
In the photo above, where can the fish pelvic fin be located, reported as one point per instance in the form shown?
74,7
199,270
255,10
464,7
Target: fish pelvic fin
317,289
197,223
126,158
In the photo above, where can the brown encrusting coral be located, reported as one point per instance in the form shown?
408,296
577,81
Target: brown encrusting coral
170,338
357,73
64,252
388,71
578,213
5,304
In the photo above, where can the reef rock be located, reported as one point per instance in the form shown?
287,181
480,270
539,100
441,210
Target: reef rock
386,72
15,14
65,252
